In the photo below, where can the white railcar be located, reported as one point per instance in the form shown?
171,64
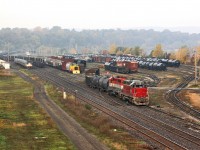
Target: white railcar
23,63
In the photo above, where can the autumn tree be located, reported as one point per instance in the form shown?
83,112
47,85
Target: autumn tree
113,49
138,51
172,55
197,50
158,52
198,53
119,53
73,51
182,54
127,51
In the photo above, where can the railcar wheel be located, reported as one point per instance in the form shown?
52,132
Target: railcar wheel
123,98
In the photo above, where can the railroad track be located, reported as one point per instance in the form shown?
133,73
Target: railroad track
161,126
96,102
171,96
152,76
78,135
187,73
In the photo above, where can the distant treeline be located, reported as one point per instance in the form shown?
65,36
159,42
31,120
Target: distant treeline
63,40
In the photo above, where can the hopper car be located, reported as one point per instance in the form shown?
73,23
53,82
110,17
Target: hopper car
133,91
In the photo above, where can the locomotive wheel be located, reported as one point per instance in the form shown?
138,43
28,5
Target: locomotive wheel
123,98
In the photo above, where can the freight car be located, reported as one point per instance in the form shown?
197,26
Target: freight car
171,62
133,91
38,64
23,63
152,66
63,64
122,66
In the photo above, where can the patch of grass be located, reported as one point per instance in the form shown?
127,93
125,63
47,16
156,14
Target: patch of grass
23,124
157,99
115,137
88,107
2,141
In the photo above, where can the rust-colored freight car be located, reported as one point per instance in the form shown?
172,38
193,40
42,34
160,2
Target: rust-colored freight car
131,66
101,59
122,66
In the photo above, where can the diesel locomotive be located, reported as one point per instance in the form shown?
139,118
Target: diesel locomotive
133,91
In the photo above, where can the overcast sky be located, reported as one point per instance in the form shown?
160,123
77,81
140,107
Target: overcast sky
99,14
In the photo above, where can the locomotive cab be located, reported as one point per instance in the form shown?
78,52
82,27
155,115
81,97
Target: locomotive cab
75,70
139,93
135,91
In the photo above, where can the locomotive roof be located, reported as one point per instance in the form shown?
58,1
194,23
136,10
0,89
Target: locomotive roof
137,82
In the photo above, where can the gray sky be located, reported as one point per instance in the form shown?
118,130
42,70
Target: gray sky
99,14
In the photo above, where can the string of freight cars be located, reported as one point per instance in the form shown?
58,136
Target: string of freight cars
131,64
75,66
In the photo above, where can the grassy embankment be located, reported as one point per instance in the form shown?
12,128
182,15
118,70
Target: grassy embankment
23,124
97,123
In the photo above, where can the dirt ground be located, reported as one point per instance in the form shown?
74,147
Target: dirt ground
192,97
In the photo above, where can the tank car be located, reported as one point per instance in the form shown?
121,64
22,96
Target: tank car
159,67
171,62
103,83
176,63
90,74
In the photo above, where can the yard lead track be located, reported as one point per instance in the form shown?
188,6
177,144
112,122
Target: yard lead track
171,96
90,99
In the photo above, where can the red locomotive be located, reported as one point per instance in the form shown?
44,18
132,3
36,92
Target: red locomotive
133,91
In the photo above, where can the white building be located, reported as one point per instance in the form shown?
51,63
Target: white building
5,64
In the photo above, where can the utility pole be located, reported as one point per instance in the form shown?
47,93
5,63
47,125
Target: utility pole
8,54
7,46
195,66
